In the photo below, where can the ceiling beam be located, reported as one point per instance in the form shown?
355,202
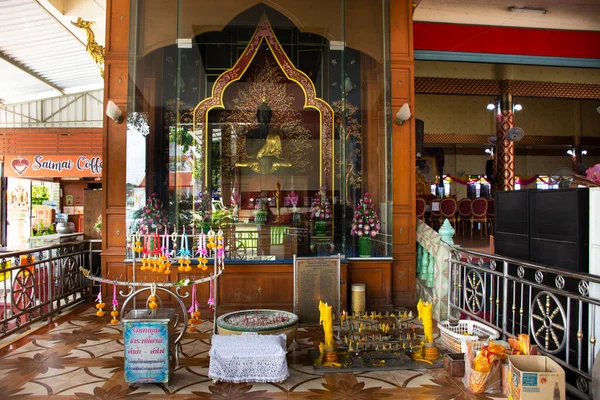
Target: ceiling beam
24,68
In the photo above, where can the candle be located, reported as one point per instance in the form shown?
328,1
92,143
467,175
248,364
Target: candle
424,310
327,321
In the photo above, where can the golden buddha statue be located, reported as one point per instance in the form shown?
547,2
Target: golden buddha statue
263,145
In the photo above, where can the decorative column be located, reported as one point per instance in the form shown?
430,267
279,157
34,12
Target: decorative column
447,232
431,271
505,149
403,147
424,265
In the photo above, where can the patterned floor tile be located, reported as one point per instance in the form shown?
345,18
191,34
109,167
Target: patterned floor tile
82,358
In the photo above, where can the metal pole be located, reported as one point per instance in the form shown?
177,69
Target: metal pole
504,298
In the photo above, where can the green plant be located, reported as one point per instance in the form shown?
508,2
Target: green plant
39,194
221,217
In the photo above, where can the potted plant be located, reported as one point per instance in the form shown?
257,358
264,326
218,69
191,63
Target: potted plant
365,225
320,212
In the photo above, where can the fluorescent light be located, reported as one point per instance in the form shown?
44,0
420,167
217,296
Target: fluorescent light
491,106
583,152
517,107
528,10
570,152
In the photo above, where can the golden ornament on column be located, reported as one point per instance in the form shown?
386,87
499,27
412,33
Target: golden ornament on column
505,156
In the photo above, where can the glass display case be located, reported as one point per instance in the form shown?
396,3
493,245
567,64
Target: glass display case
269,122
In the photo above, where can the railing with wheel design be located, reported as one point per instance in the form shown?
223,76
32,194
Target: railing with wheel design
37,284
556,307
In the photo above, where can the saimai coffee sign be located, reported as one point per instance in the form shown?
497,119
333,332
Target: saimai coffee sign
40,166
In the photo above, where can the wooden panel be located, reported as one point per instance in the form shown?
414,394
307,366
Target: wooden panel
401,30
404,165
404,280
117,28
115,161
51,141
248,285
114,232
401,79
114,135
377,277
404,235
117,77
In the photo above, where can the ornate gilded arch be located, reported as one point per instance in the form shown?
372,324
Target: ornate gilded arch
264,32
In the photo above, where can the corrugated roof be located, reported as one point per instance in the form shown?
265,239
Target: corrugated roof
39,57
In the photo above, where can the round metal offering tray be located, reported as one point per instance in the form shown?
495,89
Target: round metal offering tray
257,320
261,321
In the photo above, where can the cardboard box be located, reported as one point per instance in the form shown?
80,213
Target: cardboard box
535,377
454,364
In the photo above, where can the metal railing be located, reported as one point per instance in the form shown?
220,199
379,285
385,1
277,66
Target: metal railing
37,284
556,307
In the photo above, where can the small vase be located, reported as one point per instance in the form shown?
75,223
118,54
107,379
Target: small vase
365,246
320,228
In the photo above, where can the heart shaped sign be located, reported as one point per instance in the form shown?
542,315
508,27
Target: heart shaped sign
20,165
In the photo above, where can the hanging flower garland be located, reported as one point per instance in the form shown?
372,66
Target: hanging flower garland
193,310
211,297
202,252
115,306
100,306
153,299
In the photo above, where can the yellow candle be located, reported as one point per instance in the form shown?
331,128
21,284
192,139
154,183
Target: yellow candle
327,321
424,310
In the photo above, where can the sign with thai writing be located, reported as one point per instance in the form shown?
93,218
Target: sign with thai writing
316,279
146,351
40,166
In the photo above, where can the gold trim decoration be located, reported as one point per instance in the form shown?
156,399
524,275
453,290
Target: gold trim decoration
264,32
93,48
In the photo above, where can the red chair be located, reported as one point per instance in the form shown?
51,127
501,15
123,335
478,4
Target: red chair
490,215
421,206
479,214
464,214
448,211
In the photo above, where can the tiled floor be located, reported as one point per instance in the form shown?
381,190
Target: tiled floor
82,358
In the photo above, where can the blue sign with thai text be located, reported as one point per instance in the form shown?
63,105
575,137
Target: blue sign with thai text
146,352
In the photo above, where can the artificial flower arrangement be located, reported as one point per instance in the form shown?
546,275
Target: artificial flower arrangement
365,222
154,218
321,207
98,225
